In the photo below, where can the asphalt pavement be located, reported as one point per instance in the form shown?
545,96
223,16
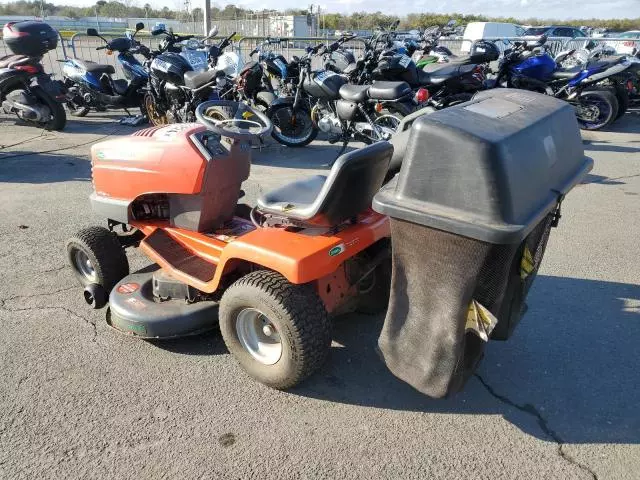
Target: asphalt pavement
78,400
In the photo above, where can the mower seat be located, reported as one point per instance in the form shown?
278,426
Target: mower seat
327,201
94,67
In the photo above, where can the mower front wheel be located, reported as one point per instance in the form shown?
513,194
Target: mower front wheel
279,332
97,257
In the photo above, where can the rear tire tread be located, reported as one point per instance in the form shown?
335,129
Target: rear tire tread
105,252
310,332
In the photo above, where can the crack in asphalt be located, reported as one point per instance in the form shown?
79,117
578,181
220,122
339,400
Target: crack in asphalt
43,294
542,423
70,312
5,307
57,269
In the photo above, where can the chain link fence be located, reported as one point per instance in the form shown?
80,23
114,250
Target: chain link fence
83,47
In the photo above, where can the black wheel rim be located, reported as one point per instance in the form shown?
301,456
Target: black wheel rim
293,129
604,111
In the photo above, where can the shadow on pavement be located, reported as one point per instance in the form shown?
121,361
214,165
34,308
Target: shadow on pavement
34,167
574,358
603,146
601,179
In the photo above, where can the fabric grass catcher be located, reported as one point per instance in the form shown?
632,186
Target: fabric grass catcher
471,211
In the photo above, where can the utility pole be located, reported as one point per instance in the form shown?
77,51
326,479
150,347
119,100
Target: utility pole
207,17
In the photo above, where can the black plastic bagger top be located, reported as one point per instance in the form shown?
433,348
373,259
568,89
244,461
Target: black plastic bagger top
471,211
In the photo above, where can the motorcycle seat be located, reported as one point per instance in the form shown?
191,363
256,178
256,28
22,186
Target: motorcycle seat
194,80
441,72
566,73
10,59
120,86
94,67
389,90
354,93
327,201
460,59
608,62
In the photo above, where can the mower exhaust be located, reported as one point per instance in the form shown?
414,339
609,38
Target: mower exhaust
95,295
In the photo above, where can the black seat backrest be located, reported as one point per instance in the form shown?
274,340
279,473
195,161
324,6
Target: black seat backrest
353,181
401,137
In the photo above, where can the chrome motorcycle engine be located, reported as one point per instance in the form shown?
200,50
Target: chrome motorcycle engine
330,124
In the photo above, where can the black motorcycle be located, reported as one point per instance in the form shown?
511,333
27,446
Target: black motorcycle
175,89
25,89
325,101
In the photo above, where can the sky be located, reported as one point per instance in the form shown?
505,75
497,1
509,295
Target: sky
560,9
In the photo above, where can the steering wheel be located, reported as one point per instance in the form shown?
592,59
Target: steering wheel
249,124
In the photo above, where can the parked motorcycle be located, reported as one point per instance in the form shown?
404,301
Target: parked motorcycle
529,66
175,89
429,50
325,101
90,85
25,89
625,85
279,75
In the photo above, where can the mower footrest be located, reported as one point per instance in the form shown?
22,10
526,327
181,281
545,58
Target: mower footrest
179,257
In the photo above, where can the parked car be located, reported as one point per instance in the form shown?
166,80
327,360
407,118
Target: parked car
483,30
555,31
630,47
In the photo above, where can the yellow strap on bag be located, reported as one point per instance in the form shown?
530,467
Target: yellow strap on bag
480,320
526,264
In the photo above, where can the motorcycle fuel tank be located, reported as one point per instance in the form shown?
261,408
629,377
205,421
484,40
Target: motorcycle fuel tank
170,67
324,84
539,67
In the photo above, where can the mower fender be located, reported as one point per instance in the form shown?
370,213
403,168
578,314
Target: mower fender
301,261
299,258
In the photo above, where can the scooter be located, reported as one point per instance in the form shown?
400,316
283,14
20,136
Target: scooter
89,85
273,274
25,89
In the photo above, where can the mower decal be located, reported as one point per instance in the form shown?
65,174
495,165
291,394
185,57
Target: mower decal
135,303
337,250
127,288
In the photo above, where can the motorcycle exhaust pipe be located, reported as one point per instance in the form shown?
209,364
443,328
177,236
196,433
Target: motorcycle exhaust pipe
34,113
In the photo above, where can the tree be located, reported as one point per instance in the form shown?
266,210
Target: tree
69,12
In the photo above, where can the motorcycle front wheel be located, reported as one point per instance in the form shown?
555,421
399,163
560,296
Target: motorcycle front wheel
292,130
155,116
596,109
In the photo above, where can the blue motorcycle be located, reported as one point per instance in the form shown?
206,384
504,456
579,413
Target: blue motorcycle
90,85
528,66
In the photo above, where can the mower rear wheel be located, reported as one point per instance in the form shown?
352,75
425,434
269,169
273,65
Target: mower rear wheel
279,332
97,257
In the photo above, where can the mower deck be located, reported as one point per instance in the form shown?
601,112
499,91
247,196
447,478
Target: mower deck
133,310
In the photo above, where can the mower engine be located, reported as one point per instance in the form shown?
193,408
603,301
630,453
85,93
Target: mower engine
182,173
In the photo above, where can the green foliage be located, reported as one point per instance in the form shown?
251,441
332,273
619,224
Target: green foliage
332,21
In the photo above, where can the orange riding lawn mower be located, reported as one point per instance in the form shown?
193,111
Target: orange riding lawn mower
444,228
